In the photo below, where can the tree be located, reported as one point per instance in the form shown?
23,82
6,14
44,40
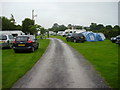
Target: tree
55,27
7,24
116,27
116,30
62,28
93,26
26,24
42,30
18,27
108,27
86,28
34,29
69,26
50,29
78,27
99,27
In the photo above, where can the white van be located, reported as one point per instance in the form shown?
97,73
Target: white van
6,40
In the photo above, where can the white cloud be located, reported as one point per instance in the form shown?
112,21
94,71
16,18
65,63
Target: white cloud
59,1
48,13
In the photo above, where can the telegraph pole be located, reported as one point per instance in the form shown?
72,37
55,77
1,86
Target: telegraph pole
33,16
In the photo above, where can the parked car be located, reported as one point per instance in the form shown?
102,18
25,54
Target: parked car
68,36
25,42
6,41
113,39
118,40
76,37
64,34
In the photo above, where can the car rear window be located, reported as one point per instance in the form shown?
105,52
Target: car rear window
3,37
74,34
22,39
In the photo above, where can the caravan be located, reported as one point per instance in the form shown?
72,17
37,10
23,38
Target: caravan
14,33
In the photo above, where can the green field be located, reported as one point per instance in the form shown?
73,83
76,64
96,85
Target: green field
15,65
103,55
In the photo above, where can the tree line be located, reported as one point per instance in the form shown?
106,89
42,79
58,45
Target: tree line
108,30
28,26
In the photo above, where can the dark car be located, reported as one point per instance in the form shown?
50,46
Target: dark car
113,39
25,42
76,37
118,40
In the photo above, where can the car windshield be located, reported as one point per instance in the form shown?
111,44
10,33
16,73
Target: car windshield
22,38
3,37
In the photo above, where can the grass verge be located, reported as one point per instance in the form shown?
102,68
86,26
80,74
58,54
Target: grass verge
103,55
15,65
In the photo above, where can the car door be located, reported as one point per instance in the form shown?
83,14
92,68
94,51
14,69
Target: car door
72,37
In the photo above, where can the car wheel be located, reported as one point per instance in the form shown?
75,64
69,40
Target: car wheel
67,40
75,41
37,47
16,51
82,42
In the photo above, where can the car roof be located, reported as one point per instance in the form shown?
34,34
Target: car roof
5,34
77,33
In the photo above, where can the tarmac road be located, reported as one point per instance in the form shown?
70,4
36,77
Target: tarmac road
61,67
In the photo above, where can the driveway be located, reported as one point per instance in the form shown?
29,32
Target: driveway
61,67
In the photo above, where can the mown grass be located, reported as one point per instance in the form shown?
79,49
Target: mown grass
0,69
15,65
103,55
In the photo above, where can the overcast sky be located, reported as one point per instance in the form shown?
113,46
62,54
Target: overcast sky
75,12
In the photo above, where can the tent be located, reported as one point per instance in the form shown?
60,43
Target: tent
90,36
98,37
102,36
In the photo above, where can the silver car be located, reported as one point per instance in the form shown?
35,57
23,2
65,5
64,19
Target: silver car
6,41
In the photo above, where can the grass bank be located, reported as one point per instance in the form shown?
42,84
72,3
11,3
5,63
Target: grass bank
15,65
103,55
